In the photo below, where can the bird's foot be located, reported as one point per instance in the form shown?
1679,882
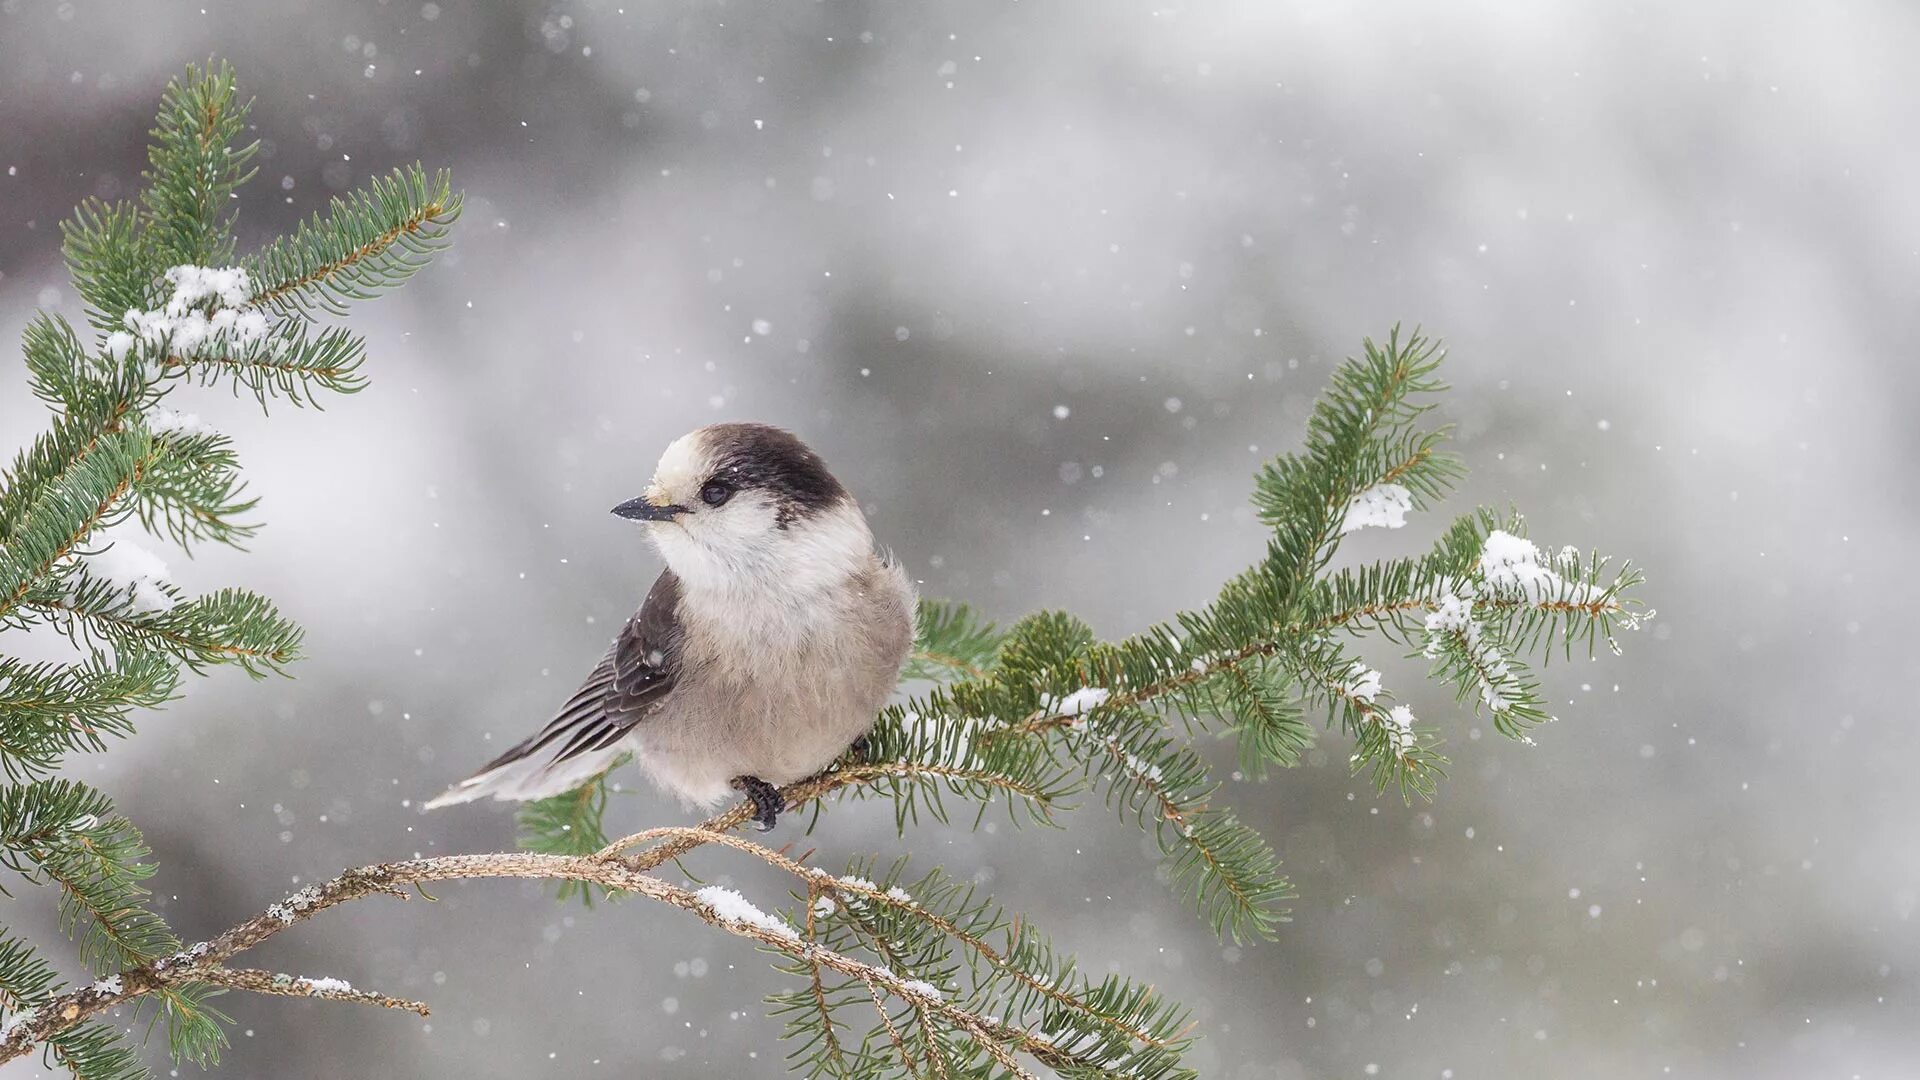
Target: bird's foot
861,752
767,801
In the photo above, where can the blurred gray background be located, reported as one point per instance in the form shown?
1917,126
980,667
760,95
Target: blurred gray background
1672,249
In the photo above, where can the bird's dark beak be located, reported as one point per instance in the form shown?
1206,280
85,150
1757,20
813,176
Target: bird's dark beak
642,510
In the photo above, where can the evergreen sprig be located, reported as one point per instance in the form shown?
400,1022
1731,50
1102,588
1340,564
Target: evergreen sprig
299,365
370,241
966,948
167,304
91,1051
228,626
49,710
194,167
951,641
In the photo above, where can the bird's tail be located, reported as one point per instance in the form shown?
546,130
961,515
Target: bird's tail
520,777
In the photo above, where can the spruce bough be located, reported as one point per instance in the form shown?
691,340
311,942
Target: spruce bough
168,302
895,970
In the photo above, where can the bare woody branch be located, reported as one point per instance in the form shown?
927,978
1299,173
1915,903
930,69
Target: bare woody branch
274,982
207,961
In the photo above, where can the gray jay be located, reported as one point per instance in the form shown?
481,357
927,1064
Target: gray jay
762,652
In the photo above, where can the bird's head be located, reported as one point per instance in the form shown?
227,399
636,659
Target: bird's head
749,505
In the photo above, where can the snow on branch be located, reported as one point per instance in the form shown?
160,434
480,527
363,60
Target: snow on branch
1383,505
723,908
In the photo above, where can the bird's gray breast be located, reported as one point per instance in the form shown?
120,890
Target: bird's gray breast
774,686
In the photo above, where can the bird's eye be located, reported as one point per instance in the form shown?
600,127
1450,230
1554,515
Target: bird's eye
716,492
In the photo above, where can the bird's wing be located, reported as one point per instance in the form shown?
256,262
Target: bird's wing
630,682
625,687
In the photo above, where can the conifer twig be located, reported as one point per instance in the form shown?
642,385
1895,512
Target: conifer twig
274,982
204,963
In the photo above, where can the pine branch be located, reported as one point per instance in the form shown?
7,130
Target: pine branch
92,491
369,242
231,626
99,869
25,979
34,817
194,168
951,642
191,490
1254,656
1400,755
610,869
97,1052
1109,1029
58,366
922,754
48,710
814,1022
1219,865
196,1031
90,1051
203,961
110,259
1360,434
87,451
937,930
156,276
294,364
67,834
325,989
1266,716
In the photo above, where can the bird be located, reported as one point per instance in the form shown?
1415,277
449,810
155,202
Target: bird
762,653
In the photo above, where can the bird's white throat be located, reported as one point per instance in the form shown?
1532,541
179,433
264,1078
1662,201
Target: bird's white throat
768,566
761,600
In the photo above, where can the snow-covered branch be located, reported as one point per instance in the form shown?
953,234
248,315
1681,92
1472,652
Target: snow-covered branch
614,869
